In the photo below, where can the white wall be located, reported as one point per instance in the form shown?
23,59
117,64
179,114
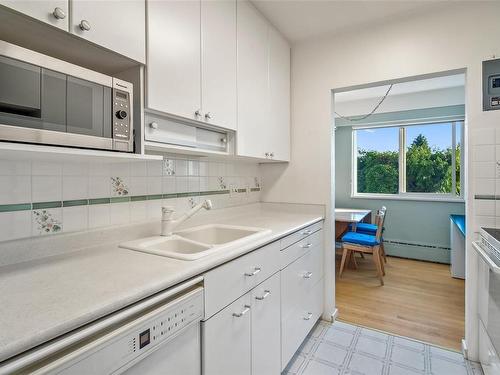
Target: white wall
403,102
461,36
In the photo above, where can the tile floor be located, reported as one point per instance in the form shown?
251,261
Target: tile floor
346,349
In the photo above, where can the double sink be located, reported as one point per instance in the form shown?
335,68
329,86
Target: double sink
197,242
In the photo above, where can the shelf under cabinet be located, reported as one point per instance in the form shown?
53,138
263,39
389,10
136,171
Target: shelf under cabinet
21,151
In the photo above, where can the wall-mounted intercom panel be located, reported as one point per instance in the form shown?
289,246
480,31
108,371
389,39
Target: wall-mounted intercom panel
491,85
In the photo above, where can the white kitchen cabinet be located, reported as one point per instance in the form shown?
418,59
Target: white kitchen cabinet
118,26
191,70
218,62
279,96
227,343
263,88
253,83
53,12
266,320
174,58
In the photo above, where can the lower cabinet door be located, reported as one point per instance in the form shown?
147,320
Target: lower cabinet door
296,324
266,334
226,340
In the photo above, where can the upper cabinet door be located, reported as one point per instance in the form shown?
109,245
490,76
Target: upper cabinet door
253,91
279,96
218,48
115,25
53,12
174,58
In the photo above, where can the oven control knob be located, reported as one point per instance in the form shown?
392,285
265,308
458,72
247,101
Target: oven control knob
121,114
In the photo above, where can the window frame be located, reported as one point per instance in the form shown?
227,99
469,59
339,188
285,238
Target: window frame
402,193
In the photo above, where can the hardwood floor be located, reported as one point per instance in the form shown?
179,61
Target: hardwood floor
419,300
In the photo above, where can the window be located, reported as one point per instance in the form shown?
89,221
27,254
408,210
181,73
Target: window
409,161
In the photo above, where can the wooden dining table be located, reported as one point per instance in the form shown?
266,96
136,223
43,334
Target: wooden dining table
346,216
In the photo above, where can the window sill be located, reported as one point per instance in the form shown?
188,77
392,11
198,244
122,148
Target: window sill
400,197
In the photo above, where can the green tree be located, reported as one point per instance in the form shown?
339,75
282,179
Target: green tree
428,170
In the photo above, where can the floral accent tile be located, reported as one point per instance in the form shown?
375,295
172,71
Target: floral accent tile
46,223
222,183
168,167
119,187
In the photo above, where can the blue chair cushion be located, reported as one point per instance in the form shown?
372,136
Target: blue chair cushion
360,239
364,228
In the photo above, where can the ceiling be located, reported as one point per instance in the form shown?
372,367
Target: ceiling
422,85
300,20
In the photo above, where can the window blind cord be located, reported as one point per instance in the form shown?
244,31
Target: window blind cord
372,111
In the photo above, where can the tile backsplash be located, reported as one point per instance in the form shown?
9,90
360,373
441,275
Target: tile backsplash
485,176
38,198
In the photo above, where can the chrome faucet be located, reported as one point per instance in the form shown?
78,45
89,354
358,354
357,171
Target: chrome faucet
168,224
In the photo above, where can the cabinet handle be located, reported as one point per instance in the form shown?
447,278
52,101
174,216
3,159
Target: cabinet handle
84,25
271,155
197,114
306,232
208,116
306,246
264,296
309,316
243,312
307,275
267,154
59,13
153,125
255,272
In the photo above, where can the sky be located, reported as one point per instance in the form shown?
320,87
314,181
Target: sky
387,139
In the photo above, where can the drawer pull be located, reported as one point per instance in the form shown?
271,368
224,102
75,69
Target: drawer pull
306,246
255,272
309,316
307,275
264,296
243,312
306,232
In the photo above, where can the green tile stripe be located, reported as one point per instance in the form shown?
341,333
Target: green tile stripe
15,207
254,189
94,201
241,190
45,205
76,202
100,201
138,198
119,199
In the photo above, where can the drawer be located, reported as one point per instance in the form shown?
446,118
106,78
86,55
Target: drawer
301,234
299,278
296,250
296,326
228,282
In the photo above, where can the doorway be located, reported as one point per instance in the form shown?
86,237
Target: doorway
399,149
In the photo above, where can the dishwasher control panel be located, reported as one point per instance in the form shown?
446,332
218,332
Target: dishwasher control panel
135,340
165,325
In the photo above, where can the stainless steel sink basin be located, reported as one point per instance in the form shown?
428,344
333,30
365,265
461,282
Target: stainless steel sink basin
197,242
218,234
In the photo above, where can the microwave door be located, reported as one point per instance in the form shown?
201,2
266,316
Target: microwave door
86,103
31,97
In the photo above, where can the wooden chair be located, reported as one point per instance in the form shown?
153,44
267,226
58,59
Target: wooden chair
364,243
371,229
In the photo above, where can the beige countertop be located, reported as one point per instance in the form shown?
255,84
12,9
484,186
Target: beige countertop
44,298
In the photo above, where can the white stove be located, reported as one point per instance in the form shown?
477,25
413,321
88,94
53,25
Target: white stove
488,297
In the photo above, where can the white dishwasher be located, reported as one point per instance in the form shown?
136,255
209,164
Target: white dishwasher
156,338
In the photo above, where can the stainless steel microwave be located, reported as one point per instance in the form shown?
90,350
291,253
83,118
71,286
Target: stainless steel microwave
44,100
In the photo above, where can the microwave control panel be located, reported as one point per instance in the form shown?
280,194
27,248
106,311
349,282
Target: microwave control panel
121,115
491,85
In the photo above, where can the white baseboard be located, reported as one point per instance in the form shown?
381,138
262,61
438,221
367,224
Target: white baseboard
465,351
